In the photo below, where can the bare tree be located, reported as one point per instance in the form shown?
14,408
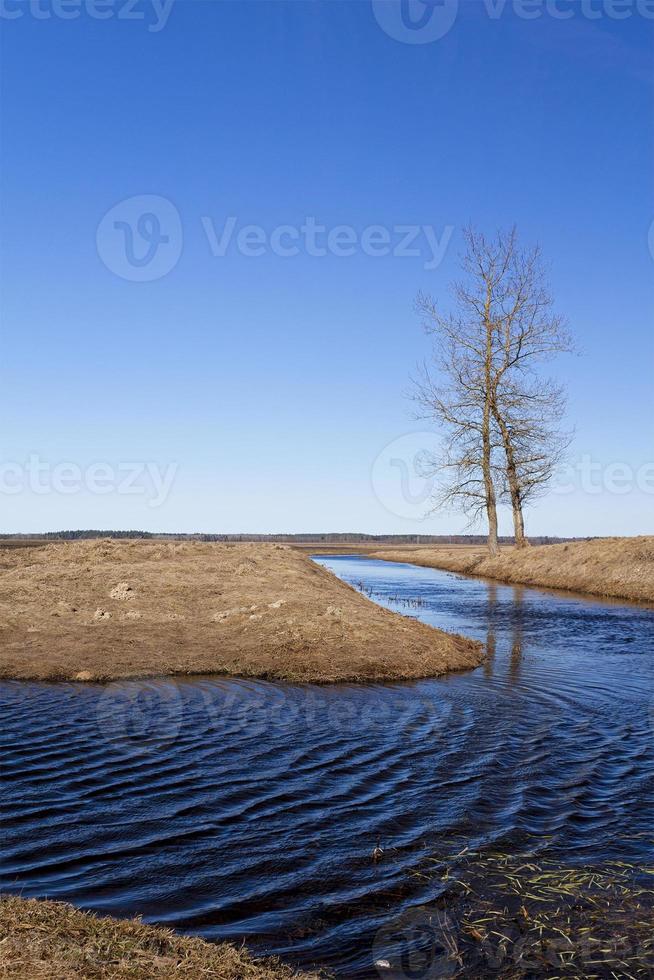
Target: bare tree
459,400
482,388
526,408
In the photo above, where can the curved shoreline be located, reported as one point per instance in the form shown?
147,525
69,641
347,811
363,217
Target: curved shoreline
105,610
609,568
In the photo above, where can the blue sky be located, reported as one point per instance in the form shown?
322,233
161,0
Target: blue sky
266,392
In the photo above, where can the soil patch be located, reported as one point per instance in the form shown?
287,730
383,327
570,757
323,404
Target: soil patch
107,609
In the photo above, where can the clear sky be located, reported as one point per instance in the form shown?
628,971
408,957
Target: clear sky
158,374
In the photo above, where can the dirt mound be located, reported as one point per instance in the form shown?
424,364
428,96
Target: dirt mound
99,610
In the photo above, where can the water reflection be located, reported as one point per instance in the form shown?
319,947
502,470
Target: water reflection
517,632
510,627
491,629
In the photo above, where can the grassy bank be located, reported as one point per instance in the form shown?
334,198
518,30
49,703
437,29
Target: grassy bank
107,609
54,941
621,568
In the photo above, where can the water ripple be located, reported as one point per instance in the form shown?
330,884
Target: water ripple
237,809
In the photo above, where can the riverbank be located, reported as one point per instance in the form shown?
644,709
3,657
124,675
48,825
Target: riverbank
620,568
54,941
108,609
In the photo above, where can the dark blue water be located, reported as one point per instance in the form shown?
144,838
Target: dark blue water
249,811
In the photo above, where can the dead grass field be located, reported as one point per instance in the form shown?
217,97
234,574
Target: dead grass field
54,941
106,609
621,568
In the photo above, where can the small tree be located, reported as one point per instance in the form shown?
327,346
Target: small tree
499,419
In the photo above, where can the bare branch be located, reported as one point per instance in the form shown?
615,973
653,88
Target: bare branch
501,421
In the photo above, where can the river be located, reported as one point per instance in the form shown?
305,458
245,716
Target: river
248,811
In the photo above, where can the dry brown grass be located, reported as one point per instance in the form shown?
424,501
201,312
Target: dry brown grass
99,610
54,941
621,568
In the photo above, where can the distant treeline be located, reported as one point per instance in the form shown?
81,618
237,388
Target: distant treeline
329,538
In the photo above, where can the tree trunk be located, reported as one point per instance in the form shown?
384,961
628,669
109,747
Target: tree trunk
487,449
519,526
513,481
493,545
491,503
